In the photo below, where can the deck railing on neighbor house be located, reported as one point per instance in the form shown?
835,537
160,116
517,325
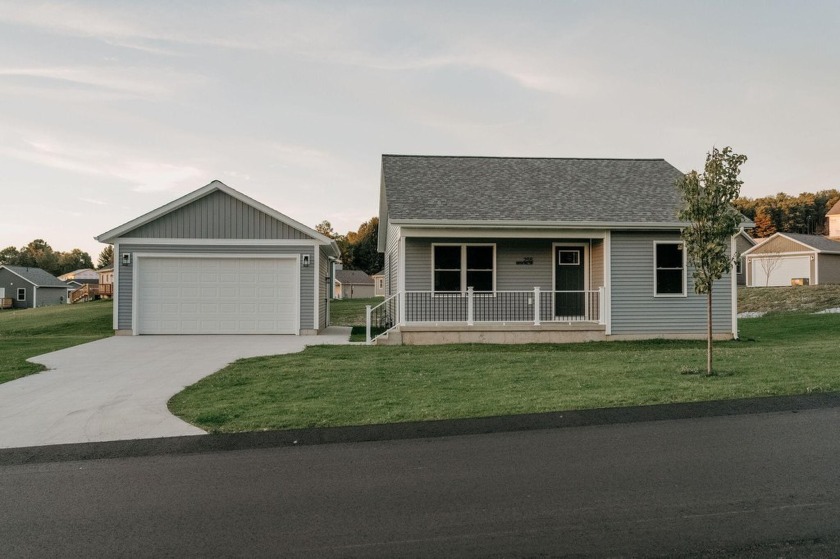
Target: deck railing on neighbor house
470,307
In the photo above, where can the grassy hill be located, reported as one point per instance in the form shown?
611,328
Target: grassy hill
808,298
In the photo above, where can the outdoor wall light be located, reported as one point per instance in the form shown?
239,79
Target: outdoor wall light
305,260
126,258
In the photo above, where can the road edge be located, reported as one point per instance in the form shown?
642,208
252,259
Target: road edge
193,444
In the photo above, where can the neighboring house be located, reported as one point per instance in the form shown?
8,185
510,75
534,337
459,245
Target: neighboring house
793,258
106,276
82,275
743,242
514,250
31,287
832,222
218,262
378,284
353,284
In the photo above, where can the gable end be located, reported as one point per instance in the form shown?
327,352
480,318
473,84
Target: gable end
217,215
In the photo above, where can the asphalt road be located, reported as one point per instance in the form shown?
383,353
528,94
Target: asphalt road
763,485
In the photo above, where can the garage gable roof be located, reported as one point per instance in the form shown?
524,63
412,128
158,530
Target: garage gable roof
816,243
835,209
193,197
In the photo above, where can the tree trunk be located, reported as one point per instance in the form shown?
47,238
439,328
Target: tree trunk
709,335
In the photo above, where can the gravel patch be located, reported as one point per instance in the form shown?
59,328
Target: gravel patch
753,314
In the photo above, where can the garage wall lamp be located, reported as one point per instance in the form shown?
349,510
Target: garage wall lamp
126,258
305,260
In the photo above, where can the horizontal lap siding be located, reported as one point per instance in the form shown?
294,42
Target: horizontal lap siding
829,268
324,270
510,276
216,216
780,244
125,286
634,308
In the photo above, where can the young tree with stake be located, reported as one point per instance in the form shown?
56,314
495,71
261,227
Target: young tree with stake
712,221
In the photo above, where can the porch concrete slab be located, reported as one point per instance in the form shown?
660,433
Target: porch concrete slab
117,388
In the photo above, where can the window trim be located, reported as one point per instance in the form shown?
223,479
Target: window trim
684,271
21,290
463,269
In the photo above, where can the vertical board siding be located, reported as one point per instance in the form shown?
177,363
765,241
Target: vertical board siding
596,266
634,308
216,216
392,260
126,279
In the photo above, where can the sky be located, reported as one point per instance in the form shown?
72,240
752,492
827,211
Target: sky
111,109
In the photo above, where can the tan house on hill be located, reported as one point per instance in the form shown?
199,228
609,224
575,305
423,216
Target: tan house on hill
832,222
793,259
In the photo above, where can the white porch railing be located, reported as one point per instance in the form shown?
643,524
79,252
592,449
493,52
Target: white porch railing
470,307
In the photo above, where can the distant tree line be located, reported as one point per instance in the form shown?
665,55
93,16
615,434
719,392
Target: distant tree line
804,213
358,248
39,254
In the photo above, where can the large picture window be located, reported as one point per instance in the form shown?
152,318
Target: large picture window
669,269
457,267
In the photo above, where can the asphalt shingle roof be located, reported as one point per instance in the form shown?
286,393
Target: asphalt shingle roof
530,189
37,276
815,241
353,276
835,209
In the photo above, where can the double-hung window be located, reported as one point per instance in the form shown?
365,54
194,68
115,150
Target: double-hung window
21,294
457,267
669,269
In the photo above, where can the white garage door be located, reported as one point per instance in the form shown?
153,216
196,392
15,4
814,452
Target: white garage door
217,296
780,270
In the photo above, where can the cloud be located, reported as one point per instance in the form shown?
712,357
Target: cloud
142,173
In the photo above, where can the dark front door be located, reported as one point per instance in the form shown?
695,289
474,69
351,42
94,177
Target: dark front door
569,299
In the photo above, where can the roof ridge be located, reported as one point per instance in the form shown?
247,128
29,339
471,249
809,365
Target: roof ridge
525,157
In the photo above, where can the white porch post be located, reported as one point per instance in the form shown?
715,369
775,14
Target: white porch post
470,308
367,324
537,306
401,310
602,306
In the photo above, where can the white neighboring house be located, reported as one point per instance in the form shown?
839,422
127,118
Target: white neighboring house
82,275
786,259
378,284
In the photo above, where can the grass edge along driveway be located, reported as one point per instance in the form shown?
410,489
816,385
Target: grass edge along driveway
325,386
25,333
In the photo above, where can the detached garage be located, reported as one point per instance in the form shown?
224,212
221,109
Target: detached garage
218,262
786,259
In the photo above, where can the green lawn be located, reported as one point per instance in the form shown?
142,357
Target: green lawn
351,385
26,333
350,312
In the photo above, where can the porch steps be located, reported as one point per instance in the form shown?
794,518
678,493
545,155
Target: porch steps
392,337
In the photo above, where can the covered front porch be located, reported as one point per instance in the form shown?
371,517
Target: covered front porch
509,290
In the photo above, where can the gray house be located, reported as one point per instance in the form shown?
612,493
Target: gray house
514,250
743,243
218,262
31,287
353,284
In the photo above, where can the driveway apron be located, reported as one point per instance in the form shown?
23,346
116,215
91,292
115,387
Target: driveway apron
117,388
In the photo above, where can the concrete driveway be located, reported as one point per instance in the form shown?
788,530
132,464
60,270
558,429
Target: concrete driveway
117,388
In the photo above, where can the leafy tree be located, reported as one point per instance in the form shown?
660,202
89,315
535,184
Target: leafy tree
106,257
9,256
325,228
712,221
73,260
359,248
